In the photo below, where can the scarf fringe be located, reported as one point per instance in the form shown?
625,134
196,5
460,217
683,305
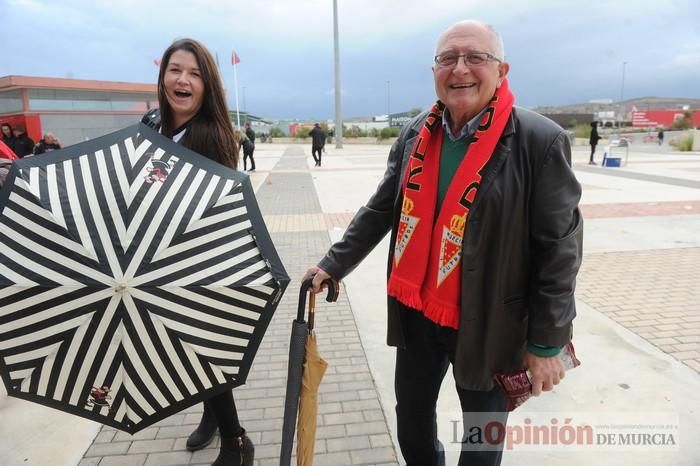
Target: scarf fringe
445,316
406,294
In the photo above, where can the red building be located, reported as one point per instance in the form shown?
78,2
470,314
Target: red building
665,118
74,109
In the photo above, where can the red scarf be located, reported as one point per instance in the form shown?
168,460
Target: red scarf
431,283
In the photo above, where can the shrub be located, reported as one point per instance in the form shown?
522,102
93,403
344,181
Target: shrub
276,132
686,143
389,132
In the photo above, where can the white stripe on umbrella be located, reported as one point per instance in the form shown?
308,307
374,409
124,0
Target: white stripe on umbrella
69,360
155,222
147,341
200,333
48,254
97,337
177,217
75,322
194,314
143,373
214,303
112,205
214,219
54,199
204,200
133,154
235,294
45,233
261,280
29,355
77,210
198,241
97,215
172,354
197,259
13,276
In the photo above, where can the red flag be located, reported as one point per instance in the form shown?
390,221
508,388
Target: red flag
234,58
157,62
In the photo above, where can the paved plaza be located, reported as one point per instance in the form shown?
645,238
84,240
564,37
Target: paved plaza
637,333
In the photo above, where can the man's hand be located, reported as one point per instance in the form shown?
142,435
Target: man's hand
319,275
545,372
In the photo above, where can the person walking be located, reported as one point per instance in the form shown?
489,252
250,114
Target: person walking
318,141
249,147
192,111
660,136
593,140
486,242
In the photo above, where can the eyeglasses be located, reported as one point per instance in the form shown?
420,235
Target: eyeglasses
470,59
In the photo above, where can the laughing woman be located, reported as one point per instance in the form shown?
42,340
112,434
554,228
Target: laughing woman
193,113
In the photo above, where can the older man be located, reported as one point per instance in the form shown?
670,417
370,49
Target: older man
48,144
486,237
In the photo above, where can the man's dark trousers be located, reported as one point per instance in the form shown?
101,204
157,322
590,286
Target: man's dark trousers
318,149
420,369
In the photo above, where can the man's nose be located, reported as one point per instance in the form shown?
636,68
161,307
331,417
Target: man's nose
461,66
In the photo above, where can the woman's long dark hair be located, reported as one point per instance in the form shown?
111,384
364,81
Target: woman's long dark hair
211,128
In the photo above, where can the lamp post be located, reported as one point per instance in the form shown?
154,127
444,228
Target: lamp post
621,117
336,47
622,87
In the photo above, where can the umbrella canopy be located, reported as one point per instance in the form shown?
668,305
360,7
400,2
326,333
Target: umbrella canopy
136,278
301,331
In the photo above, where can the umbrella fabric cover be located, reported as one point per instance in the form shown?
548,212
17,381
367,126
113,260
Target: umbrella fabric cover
136,278
314,368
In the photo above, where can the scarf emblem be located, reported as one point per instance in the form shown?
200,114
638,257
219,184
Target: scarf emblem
407,225
451,247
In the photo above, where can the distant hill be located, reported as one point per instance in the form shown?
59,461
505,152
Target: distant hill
641,104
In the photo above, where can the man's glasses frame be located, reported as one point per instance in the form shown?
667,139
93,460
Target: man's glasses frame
450,59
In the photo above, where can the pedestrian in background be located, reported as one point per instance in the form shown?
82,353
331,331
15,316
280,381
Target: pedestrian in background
318,141
49,143
660,136
249,147
593,140
23,144
8,136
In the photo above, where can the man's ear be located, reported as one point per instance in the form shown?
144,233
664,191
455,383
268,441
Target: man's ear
503,69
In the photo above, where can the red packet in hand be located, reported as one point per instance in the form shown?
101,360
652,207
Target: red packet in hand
518,386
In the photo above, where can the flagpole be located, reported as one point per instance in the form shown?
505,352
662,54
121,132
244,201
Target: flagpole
235,89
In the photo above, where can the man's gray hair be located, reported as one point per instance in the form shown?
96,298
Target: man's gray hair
498,48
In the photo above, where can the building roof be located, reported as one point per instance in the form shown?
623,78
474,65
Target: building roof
13,82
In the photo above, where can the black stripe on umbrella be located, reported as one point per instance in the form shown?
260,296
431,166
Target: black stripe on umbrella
136,279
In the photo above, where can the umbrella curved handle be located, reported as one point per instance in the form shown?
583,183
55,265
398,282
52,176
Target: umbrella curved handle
331,297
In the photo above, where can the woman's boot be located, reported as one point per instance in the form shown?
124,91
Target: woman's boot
236,451
204,433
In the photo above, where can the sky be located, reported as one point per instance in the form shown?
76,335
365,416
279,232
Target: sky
560,52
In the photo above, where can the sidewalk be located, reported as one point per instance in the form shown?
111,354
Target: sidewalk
637,332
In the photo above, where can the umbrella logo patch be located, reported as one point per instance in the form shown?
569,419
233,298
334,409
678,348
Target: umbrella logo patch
99,397
158,171
407,226
451,247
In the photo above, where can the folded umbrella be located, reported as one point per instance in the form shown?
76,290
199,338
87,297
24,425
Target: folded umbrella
301,331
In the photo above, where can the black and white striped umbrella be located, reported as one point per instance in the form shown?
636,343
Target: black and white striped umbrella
136,278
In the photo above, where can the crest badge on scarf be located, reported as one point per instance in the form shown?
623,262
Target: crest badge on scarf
451,247
407,225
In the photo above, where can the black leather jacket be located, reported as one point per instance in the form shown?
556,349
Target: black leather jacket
521,252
